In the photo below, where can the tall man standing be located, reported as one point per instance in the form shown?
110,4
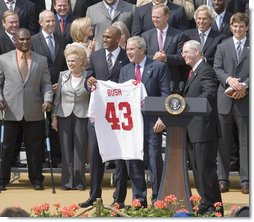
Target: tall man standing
203,132
26,92
100,68
232,68
155,76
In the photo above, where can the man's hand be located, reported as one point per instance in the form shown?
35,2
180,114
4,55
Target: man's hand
54,123
2,105
90,81
238,94
46,106
159,126
54,87
234,83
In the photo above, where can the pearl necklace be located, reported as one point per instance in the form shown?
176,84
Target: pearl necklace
76,76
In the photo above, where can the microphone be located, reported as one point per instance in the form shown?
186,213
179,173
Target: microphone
181,87
171,87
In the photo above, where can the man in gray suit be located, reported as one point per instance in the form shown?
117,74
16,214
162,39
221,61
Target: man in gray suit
105,13
231,65
25,93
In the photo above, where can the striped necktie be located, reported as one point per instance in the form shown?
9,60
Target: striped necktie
238,50
110,62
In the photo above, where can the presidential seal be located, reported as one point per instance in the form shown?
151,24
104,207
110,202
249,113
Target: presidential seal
175,104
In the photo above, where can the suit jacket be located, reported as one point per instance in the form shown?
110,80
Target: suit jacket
100,69
101,18
67,26
26,12
198,3
142,20
225,65
81,6
24,98
172,47
69,99
40,46
225,26
203,84
6,44
155,78
213,39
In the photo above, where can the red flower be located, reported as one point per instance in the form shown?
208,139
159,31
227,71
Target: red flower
170,199
160,204
136,203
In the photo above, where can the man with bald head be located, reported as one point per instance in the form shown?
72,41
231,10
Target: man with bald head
25,93
98,69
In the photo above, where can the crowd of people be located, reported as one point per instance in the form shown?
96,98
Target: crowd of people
53,52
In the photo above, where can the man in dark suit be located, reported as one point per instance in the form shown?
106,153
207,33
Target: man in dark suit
232,68
63,19
10,22
203,132
105,13
98,69
26,93
204,20
26,12
56,63
222,17
142,20
155,76
164,43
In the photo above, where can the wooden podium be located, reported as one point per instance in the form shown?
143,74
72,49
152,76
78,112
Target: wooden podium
175,178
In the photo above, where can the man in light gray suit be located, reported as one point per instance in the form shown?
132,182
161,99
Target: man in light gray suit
105,13
25,93
231,65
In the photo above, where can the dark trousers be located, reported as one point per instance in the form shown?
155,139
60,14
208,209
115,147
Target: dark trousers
34,135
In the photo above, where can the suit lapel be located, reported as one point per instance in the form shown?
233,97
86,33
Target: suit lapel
45,46
104,10
245,52
147,70
154,40
190,80
168,39
15,62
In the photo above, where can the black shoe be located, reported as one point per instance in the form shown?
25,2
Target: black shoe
38,186
2,187
224,186
87,203
18,164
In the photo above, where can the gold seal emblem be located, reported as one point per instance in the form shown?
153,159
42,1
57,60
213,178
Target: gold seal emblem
175,104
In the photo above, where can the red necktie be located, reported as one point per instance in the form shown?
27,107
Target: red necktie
138,73
62,25
190,74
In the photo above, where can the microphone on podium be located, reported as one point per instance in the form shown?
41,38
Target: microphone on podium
181,87
171,87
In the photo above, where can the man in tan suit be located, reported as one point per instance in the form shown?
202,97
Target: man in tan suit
25,93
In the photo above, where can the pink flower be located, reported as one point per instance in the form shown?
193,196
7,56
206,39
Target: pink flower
116,205
170,198
218,204
57,205
160,204
136,203
195,198
218,214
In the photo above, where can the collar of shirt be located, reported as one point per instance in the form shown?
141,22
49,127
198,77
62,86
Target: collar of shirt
164,32
111,6
28,56
45,34
59,17
165,3
206,32
142,65
9,35
221,14
196,65
242,41
114,54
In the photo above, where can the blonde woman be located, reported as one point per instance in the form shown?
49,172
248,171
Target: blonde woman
69,117
81,30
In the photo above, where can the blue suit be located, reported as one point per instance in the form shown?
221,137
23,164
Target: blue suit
155,78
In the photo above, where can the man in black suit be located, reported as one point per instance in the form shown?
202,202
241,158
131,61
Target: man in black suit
155,76
204,20
142,20
26,12
56,63
98,69
222,17
164,43
203,132
10,23
231,65
63,19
